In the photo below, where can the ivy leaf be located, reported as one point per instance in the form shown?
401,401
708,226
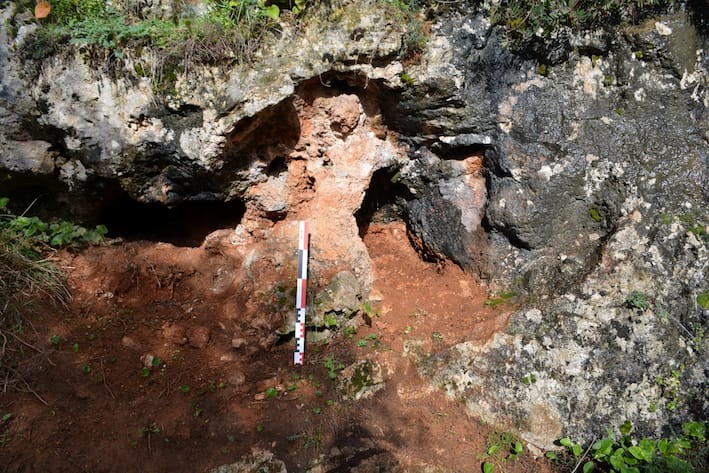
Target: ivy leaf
691,429
488,467
603,448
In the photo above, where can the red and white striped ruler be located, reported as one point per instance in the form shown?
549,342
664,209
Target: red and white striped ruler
300,293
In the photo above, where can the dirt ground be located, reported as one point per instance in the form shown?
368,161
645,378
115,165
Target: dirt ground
143,373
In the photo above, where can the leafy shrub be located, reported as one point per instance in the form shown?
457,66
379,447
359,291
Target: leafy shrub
637,300
626,454
24,245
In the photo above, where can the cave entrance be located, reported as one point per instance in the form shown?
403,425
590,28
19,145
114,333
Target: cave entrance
385,200
185,225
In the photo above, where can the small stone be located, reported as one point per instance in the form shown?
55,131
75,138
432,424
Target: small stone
147,360
198,336
237,378
129,342
376,296
238,342
174,333
267,383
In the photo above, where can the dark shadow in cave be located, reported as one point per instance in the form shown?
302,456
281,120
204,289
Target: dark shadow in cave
384,201
185,225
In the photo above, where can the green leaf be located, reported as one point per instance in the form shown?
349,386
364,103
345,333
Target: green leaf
648,449
682,443
518,447
663,446
272,12
488,467
617,461
577,450
551,455
492,449
588,467
6,417
3,202
697,430
637,452
101,230
566,442
702,299
271,393
626,426
602,448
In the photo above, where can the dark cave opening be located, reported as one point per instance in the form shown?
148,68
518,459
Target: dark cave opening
384,201
185,225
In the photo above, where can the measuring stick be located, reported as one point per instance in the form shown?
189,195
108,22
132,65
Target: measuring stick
300,293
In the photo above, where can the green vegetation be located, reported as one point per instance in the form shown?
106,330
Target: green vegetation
407,13
232,30
26,271
670,385
364,342
626,454
528,379
502,298
501,448
694,225
703,300
6,433
525,21
224,30
333,367
406,79
637,300
596,214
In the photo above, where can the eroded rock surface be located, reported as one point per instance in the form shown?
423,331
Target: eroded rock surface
597,187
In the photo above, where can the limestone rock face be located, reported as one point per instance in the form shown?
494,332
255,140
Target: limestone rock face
160,145
597,190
